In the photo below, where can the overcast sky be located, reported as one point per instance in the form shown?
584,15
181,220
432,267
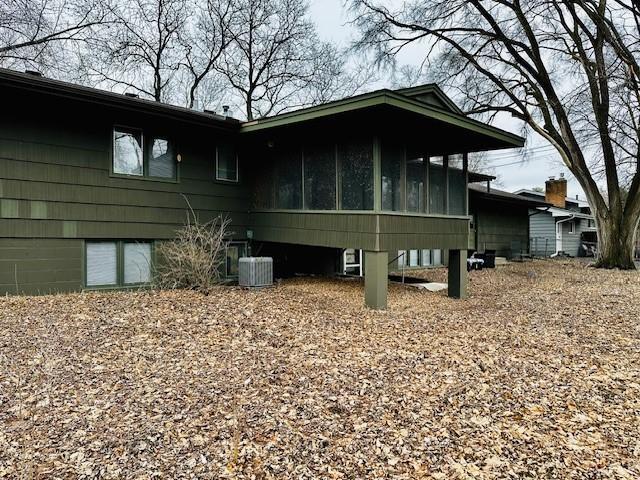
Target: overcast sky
332,20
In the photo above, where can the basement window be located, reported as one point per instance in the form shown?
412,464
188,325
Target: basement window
117,263
235,250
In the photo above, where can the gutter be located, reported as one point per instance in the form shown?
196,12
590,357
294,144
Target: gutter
558,223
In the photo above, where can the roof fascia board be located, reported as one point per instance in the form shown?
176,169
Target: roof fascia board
382,97
430,88
109,99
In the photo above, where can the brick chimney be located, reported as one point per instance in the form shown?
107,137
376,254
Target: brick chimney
556,191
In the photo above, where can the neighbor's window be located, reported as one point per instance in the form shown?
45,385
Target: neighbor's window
572,226
320,177
392,162
356,175
102,264
127,152
161,158
226,163
118,263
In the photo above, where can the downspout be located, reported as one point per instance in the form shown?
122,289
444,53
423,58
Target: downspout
558,223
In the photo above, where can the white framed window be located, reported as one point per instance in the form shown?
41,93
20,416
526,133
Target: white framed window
572,226
402,258
226,163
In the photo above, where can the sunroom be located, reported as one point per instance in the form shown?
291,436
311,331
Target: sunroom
381,173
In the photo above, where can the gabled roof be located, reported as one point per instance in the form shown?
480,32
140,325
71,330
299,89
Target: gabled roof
39,84
509,197
391,99
423,92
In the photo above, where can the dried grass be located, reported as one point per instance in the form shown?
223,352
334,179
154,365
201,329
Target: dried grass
535,376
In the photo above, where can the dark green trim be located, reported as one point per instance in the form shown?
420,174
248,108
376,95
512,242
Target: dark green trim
384,97
430,88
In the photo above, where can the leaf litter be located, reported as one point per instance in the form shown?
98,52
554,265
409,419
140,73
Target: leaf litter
536,375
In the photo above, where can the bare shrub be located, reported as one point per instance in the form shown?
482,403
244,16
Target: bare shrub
195,258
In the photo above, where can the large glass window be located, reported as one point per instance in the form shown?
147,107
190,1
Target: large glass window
127,152
392,161
320,177
436,186
162,163
356,175
415,185
226,163
288,179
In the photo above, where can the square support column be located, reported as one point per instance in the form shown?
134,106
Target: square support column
458,273
376,279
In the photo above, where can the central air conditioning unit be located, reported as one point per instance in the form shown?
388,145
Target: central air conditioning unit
255,271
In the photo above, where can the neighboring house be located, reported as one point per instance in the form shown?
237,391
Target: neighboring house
91,180
562,228
500,220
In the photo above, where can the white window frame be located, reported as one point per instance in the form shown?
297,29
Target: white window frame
572,227
237,179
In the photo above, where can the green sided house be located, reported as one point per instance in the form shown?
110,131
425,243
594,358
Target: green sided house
91,180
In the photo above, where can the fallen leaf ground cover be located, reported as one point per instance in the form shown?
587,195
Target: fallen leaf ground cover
537,375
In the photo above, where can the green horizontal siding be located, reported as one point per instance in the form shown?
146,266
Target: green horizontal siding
37,266
499,226
368,231
55,179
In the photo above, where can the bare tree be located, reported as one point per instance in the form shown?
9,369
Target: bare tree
141,51
569,69
275,60
204,44
33,31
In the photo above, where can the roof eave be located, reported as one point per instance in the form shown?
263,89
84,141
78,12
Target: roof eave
384,97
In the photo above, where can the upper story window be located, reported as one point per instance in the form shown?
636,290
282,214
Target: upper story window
226,163
127,152
135,155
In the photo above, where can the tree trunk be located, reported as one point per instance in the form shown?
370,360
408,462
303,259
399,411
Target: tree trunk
616,241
